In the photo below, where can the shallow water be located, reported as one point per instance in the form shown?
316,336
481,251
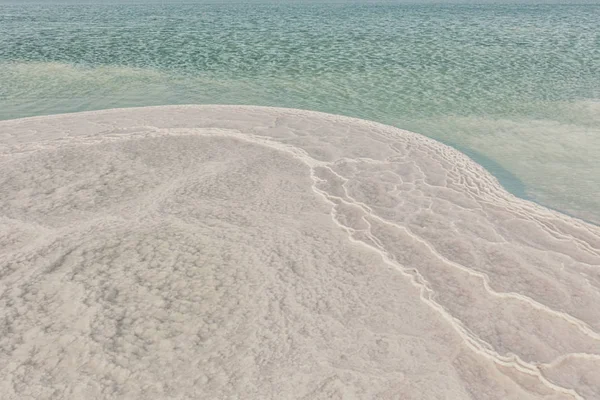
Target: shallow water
517,87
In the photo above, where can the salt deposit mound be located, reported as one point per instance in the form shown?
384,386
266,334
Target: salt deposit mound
218,252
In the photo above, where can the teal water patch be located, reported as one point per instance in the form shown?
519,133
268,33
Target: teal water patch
507,179
514,86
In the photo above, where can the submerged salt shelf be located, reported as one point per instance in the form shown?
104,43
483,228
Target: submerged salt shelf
223,252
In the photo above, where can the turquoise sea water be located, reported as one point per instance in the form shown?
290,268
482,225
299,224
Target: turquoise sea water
514,86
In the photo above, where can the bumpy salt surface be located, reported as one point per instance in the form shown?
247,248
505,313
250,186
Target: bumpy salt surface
245,252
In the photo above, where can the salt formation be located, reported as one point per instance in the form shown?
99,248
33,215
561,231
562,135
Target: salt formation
244,252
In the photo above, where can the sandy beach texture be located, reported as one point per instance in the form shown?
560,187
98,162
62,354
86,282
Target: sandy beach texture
221,252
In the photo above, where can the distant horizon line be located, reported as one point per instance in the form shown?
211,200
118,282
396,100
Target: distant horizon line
319,2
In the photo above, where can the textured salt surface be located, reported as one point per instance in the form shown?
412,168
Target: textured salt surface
246,252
